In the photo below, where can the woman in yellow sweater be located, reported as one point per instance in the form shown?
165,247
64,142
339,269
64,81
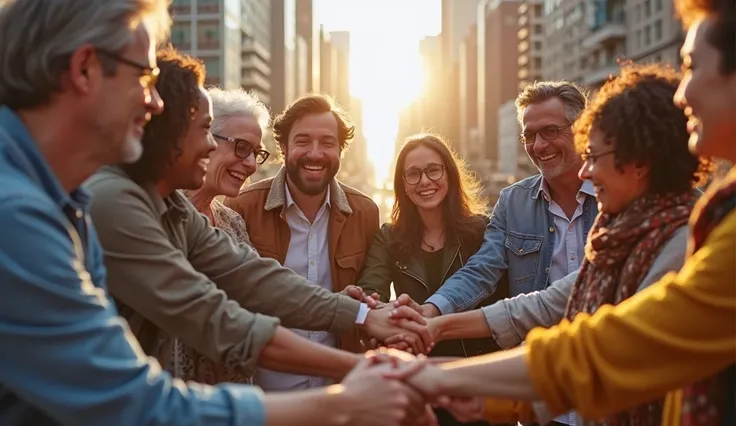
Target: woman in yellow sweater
679,335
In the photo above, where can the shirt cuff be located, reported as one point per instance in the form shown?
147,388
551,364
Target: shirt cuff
502,328
441,303
362,314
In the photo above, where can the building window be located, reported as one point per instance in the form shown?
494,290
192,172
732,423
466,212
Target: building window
647,36
648,8
208,6
658,30
638,39
657,5
181,36
181,6
212,67
208,35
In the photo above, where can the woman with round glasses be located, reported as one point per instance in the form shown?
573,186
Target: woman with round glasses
437,223
239,122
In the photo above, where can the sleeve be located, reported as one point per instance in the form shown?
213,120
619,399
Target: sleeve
71,354
670,258
658,348
478,279
511,319
155,279
376,274
262,285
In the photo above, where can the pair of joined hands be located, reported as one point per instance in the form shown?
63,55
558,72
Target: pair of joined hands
403,324
401,389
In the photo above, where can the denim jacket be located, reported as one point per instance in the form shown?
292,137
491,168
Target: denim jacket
517,245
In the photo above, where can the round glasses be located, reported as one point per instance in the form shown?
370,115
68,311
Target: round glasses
243,149
548,133
433,172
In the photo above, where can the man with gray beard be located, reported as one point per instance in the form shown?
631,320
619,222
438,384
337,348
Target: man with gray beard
539,225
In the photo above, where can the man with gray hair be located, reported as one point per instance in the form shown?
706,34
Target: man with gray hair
539,225
77,86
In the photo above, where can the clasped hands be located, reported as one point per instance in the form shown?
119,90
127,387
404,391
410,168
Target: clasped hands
402,324
406,387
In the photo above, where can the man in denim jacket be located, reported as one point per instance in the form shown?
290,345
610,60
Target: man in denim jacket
539,225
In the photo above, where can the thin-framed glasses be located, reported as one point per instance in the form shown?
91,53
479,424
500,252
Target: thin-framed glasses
591,158
548,133
243,149
434,172
148,77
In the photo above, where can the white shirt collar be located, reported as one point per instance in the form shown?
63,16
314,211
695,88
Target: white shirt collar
290,201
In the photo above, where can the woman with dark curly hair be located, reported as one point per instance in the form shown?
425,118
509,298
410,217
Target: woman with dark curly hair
634,141
437,223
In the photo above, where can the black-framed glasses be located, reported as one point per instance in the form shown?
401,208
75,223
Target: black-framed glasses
148,77
434,172
591,158
548,133
243,149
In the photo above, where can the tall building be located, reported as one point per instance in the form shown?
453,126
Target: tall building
498,70
468,92
256,44
531,41
212,31
458,16
283,54
586,39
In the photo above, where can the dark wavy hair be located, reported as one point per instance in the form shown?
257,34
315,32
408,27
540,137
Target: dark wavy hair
464,210
312,103
722,35
636,114
179,85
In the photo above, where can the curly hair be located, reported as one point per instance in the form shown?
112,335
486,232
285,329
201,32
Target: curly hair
179,85
635,113
463,207
312,103
723,33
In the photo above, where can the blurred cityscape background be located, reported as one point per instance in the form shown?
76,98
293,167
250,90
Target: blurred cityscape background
404,66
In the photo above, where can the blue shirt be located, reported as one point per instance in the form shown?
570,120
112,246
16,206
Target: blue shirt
519,244
67,357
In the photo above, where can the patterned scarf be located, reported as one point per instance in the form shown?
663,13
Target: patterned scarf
711,402
620,251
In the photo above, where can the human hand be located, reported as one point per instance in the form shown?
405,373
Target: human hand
427,310
373,301
374,400
410,325
465,409
397,342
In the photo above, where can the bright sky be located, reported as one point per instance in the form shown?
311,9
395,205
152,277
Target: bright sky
386,72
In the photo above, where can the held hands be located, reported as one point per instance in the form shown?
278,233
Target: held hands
406,308
403,324
384,402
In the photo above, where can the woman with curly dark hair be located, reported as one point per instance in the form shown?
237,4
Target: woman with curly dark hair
437,223
634,142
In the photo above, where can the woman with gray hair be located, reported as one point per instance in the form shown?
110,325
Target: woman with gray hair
239,121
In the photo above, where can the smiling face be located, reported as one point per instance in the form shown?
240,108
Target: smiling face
312,157
707,95
189,168
127,100
426,194
615,189
553,156
227,172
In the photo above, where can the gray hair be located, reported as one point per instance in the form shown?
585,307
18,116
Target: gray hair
235,103
39,36
572,96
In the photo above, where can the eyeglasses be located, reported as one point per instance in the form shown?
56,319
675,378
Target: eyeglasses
434,173
591,158
148,77
548,133
243,149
